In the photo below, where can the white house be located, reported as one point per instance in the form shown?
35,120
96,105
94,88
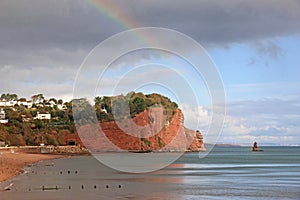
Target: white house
3,119
43,116
11,103
28,104
5,103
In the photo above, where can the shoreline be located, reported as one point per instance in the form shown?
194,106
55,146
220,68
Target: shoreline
13,163
13,160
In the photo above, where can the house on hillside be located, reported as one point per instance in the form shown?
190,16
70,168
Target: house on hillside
11,103
43,116
25,103
5,103
3,119
2,103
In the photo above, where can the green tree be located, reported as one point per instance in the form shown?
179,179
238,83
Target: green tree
53,100
39,124
22,99
98,100
37,98
106,103
83,111
137,105
9,97
60,101
68,105
119,105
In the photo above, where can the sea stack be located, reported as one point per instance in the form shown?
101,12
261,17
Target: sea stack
255,147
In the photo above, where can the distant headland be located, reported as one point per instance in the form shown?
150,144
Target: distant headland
226,145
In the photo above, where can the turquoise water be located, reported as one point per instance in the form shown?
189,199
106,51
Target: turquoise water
226,173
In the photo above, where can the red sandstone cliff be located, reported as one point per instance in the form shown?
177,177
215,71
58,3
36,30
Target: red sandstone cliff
148,131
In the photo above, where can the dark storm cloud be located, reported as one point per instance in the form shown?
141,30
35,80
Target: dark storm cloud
58,34
73,23
47,24
222,21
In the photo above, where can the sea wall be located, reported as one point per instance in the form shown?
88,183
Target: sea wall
46,149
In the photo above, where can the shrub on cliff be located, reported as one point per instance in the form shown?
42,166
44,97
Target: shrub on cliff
82,111
109,107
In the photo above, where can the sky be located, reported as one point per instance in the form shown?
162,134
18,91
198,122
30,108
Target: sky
253,44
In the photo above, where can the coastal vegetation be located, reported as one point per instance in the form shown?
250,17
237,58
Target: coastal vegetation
108,108
24,126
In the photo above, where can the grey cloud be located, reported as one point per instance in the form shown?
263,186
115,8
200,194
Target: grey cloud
73,22
59,34
26,81
270,131
268,47
223,20
45,57
44,24
271,118
267,121
37,25
265,48
265,107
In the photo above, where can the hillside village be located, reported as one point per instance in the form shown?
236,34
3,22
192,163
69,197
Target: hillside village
11,102
33,122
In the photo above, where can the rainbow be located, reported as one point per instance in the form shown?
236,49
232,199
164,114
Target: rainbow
115,13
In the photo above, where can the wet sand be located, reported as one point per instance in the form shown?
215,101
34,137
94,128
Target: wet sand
12,164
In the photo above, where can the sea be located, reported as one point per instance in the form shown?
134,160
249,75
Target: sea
225,173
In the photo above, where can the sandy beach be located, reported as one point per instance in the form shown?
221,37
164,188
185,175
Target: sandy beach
12,164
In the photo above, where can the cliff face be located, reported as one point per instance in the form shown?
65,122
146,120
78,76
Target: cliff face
146,132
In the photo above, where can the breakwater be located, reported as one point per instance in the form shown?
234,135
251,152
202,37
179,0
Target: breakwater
46,149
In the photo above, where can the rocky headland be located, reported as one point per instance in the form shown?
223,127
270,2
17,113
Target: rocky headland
148,131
